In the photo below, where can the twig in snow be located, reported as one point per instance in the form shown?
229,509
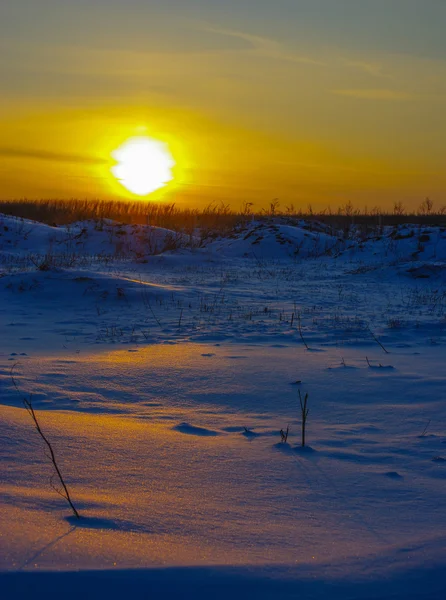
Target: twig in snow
425,429
284,434
299,327
377,340
304,412
30,409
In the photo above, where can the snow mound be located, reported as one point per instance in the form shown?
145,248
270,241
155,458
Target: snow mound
104,238
405,243
275,241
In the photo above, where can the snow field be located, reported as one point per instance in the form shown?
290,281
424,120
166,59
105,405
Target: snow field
163,382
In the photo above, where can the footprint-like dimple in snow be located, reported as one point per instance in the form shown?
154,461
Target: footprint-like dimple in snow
193,430
439,459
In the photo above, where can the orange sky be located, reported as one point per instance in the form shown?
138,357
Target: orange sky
307,103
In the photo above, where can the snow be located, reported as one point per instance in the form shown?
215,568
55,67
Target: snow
163,378
102,238
275,241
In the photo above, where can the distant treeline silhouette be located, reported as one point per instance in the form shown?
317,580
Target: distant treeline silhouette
215,216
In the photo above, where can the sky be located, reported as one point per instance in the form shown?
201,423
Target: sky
317,102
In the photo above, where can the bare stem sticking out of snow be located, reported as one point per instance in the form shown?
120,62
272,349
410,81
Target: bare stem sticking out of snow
304,412
64,490
377,340
284,434
299,326
426,428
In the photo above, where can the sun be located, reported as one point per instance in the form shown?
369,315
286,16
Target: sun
144,165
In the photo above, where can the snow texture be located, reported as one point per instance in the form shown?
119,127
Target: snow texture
163,367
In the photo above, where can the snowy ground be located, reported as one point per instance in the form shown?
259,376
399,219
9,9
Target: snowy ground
163,378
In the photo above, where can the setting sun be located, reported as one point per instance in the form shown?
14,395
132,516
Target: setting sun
222,299
144,165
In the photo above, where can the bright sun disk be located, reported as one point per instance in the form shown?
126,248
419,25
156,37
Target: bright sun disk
144,165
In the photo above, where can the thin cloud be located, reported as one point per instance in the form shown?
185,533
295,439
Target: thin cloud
51,156
373,69
266,47
373,94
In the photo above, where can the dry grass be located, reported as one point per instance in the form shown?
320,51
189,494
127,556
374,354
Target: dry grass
216,217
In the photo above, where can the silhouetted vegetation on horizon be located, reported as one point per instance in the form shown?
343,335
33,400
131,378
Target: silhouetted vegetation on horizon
215,216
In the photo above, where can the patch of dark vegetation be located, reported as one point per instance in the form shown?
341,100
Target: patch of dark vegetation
220,217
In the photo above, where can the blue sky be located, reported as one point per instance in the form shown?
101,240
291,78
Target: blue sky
396,26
